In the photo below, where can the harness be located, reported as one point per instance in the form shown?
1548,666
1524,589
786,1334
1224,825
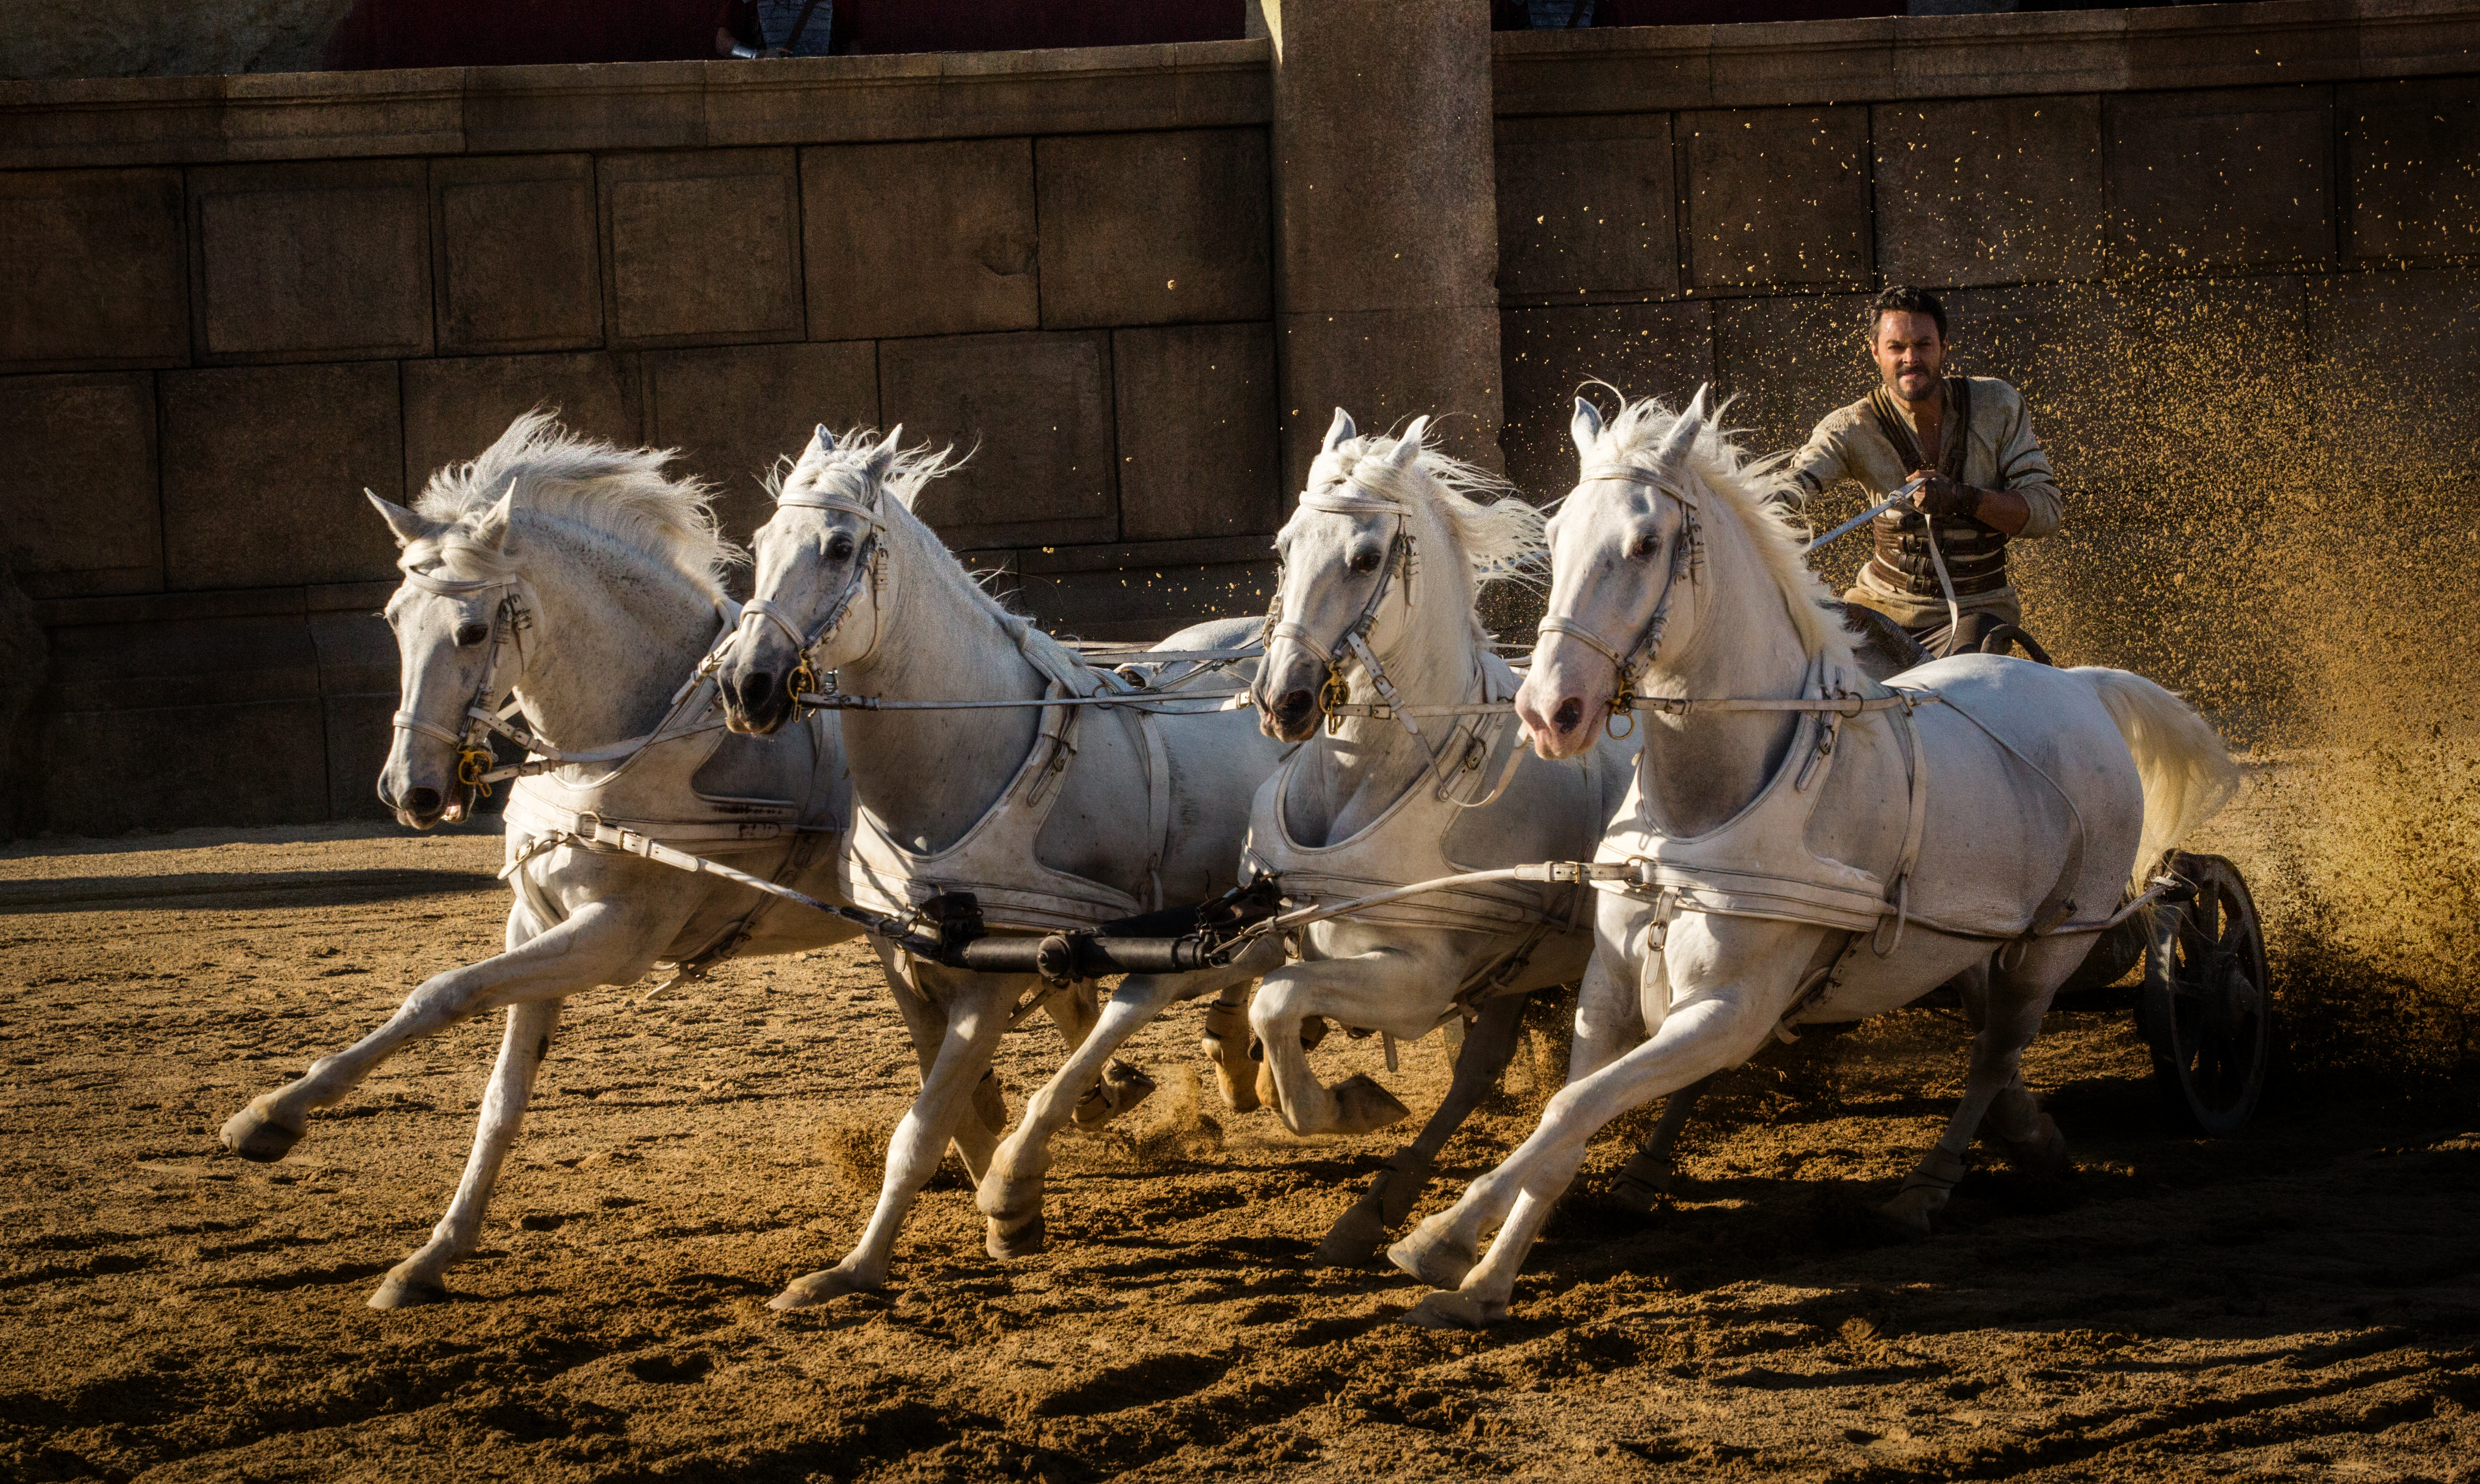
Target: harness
1687,562
1334,697
871,554
998,858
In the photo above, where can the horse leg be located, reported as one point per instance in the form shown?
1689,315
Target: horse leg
1226,1044
926,1024
1364,989
1645,1177
419,1279
2017,1001
977,1015
602,943
1116,1088
1010,1194
1488,1045
1697,1041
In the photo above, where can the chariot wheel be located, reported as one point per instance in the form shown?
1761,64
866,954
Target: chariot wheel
2208,1010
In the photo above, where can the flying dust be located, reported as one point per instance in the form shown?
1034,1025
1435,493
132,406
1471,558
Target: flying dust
2268,510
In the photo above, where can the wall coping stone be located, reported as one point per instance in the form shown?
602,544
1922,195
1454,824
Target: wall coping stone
452,111
227,603
1637,70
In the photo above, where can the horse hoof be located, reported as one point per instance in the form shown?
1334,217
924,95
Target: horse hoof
1437,1261
1268,1094
1023,1240
1122,1089
2044,1152
254,1136
1356,1236
1910,1210
1234,1076
402,1291
1361,1106
1447,1309
817,1288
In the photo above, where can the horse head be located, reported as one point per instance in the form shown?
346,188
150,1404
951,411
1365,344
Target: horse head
455,617
1620,546
818,602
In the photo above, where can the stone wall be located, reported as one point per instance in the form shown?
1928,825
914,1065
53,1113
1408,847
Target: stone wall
235,303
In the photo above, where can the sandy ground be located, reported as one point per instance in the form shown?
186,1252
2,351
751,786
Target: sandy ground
2297,1303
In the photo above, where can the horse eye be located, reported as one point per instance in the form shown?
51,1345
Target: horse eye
1364,560
1641,549
839,545
469,635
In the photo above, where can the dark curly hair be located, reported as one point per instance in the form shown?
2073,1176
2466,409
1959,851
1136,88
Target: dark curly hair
1903,299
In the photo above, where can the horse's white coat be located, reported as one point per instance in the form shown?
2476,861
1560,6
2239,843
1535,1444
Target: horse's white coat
1371,781
925,630
2138,766
618,569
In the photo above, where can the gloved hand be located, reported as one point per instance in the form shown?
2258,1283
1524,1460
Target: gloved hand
1941,496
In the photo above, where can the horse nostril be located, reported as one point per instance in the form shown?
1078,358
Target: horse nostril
1570,712
1295,705
420,800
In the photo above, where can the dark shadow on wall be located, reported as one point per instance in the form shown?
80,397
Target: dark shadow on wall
25,660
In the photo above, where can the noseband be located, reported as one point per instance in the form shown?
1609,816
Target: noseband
872,554
1687,560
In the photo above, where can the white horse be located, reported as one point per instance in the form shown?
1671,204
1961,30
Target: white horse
577,578
1380,565
1054,816
1778,863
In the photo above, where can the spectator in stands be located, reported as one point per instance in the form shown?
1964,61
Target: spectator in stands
775,28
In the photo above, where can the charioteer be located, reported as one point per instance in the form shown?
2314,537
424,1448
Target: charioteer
1984,480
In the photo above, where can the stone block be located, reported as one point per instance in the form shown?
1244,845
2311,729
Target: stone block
514,253
1586,206
1775,198
733,412
1663,350
264,470
97,276
1155,228
326,260
77,506
1145,605
1386,367
1991,191
700,248
920,238
1036,411
644,105
1195,408
2220,179
1789,361
2412,152
110,772
354,649
360,732
260,653
454,409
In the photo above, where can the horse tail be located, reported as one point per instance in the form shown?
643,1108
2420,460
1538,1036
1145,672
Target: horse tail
2187,772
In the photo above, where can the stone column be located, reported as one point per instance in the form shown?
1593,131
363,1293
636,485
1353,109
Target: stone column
1385,221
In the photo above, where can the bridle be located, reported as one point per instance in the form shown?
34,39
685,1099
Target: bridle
872,554
1335,697
1687,560
484,714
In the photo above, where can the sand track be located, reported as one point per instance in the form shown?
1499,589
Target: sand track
2300,1303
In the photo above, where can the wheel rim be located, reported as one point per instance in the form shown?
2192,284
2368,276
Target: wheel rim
2211,1022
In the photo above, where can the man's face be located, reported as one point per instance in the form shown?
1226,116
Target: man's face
1909,352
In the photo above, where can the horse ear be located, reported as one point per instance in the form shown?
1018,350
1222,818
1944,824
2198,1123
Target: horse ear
493,530
1682,436
1586,428
894,436
824,440
883,457
1409,447
1338,430
406,527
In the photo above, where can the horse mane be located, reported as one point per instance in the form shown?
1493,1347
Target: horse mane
619,493
1501,534
1741,484
908,472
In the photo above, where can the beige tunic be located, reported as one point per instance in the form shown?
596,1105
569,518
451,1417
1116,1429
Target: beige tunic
2003,455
